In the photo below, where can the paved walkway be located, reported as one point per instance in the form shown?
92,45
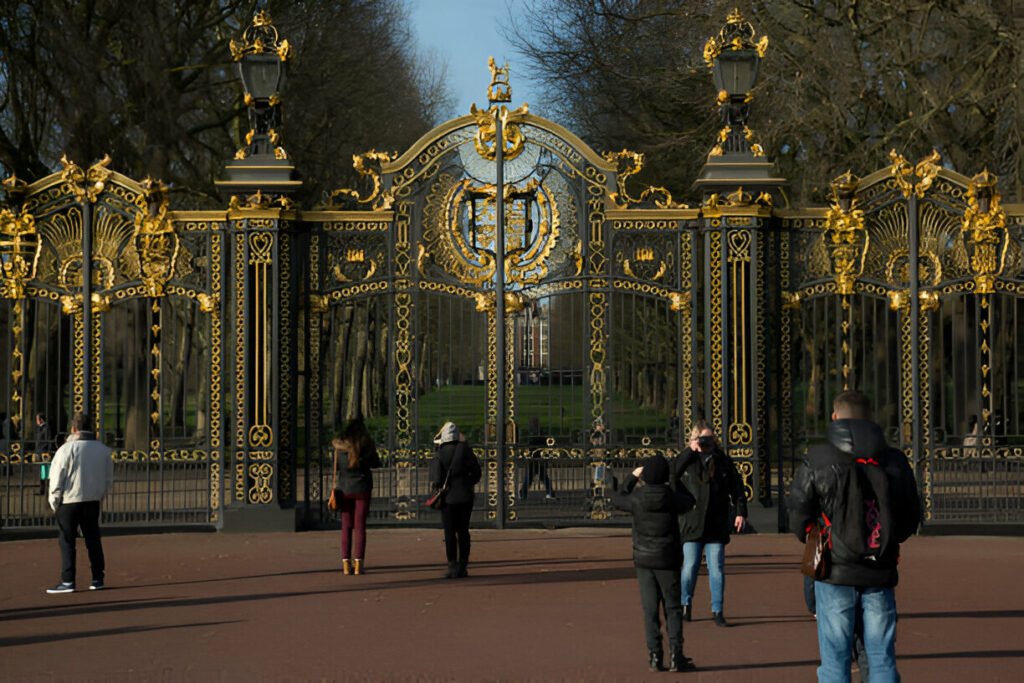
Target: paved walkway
540,605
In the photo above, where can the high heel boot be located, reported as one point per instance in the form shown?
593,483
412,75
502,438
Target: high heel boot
357,567
346,566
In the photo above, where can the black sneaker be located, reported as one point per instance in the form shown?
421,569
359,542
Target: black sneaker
96,586
62,587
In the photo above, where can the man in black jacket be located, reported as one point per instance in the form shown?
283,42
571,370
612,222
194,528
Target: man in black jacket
656,553
865,493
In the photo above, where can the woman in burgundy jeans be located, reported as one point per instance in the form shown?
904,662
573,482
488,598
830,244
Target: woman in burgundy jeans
354,456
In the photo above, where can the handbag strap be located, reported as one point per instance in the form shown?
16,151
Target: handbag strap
334,483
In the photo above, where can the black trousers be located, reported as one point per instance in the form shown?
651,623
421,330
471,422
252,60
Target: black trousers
70,518
660,588
455,517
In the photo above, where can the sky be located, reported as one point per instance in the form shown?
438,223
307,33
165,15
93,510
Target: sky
465,33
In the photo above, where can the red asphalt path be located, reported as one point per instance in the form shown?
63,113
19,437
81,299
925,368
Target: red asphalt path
539,606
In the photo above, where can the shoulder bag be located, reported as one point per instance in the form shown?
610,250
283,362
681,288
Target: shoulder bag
817,560
436,499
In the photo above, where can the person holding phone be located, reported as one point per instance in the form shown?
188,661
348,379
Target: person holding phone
710,475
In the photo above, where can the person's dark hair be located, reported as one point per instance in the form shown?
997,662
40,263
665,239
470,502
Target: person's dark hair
359,440
852,405
40,416
81,422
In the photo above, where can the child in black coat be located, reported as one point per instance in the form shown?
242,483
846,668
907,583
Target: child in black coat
657,554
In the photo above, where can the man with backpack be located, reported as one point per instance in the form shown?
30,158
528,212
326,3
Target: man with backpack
863,494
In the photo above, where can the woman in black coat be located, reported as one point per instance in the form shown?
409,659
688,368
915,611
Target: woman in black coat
455,464
355,454
710,475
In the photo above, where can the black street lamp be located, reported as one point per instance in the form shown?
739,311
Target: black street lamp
262,163
736,161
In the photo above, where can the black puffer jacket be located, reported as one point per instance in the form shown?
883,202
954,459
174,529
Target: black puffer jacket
816,489
716,485
465,469
358,479
655,507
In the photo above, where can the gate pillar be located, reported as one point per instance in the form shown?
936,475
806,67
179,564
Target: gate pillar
740,187
260,295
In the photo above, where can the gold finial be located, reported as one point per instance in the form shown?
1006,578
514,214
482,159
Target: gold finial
259,37
500,90
737,34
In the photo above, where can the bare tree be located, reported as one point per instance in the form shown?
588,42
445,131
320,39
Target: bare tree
153,85
842,83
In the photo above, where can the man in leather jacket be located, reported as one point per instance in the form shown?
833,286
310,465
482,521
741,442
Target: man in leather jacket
859,580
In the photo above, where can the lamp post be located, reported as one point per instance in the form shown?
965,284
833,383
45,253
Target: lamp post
261,164
736,161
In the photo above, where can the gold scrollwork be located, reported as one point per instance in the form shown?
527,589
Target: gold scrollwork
628,164
261,492
155,240
85,185
984,232
715,203
645,267
259,37
259,201
925,171
844,236
513,139
367,164
737,34
19,252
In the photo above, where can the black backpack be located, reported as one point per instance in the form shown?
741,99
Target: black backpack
865,518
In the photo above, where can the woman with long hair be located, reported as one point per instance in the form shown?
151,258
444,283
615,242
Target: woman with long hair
355,454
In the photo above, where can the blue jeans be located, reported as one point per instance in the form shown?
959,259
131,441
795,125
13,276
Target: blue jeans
837,616
714,554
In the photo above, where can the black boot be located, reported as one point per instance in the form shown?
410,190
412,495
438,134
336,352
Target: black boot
680,663
453,571
460,572
654,659
719,619
687,613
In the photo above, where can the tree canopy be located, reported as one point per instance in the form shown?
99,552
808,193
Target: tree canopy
843,82
153,85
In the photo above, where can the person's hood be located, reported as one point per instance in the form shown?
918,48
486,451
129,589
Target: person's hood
862,438
448,433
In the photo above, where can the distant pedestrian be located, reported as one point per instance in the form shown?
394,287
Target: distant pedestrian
355,454
865,492
536,466
43,446
81,475
710,475
657,555
456,466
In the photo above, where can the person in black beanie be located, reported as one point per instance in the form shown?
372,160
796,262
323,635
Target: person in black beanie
657,555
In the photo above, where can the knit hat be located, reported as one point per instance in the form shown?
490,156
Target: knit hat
448,433
655,470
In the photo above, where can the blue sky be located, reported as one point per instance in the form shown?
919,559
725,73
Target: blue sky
465,33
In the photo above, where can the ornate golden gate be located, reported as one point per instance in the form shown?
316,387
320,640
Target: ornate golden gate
143,357
220,351
909,288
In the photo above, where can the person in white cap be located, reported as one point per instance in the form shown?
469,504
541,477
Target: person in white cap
456,469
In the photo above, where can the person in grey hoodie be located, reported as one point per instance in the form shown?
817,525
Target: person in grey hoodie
81,474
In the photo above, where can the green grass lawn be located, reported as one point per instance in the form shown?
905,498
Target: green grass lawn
562,411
